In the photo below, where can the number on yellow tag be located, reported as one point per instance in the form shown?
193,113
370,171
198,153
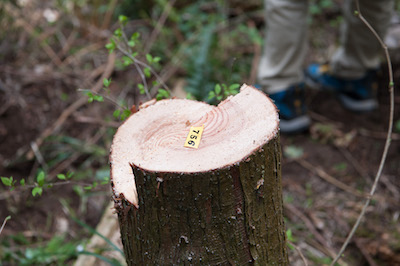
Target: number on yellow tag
194,137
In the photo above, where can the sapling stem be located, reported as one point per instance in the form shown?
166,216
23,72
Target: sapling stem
388,137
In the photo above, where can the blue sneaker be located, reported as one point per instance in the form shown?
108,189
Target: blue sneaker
357,95
292,109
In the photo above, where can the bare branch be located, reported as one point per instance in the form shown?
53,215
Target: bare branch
388,138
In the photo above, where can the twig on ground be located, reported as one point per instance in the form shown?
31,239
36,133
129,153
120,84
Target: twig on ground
39,156
361,171
387,142
300,253
330,179
327,248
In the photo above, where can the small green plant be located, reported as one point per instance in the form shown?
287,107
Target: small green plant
56,251
105,181
38,186
130,49
222,91
290,239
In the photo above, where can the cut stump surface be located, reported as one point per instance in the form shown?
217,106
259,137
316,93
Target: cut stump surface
220,203
153,138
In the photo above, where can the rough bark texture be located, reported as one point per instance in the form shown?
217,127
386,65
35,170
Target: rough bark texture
230,216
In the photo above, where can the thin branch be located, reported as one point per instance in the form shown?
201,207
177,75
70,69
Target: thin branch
300,253
388,138
139,63
4,223
330,179
111,100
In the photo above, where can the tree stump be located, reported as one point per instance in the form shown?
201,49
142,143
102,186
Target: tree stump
218,204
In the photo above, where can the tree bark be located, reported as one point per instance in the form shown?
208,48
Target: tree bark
183,213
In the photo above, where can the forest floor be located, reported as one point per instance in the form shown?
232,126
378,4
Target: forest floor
47,125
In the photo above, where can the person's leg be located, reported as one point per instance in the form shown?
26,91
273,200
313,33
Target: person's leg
360,51
280,72
352,72
285,44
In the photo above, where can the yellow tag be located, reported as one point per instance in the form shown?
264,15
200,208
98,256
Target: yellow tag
194,137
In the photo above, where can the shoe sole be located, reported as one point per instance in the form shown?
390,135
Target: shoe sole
296,125
359,106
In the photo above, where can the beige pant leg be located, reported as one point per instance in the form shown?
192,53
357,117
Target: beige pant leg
360,50
285,44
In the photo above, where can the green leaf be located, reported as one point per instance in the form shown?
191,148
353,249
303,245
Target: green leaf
289,235
131,43
36,191
7,181
147,72
290,246
106,82
118,33
61,176
162,94
149,58
234,87
123,19
90,95
135,36
141,88
111,46
218,89
117,113
40,179
211,95
156,59
22,182
104,182
125,114
98,98
127,60
191,97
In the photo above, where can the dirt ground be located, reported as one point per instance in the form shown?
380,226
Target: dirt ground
323,189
